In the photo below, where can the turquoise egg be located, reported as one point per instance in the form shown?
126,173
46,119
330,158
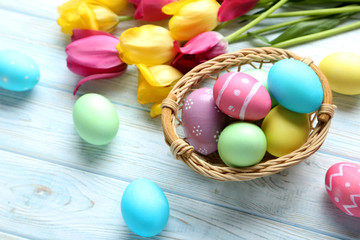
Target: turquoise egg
295,86
144,208
18,71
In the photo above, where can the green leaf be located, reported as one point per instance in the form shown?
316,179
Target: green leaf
261,38
308,27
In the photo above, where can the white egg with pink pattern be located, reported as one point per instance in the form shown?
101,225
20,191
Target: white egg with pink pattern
342,182
202,121
241,96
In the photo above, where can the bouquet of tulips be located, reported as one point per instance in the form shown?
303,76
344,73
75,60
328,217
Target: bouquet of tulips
163,55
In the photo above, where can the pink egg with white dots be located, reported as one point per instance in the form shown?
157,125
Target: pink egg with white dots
342,182
202,121
241,96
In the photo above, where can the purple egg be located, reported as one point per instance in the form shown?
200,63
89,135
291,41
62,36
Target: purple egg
203,121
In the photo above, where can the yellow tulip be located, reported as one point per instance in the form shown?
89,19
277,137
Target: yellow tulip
148,44
83,15
114,5
191,17
155,83
117,6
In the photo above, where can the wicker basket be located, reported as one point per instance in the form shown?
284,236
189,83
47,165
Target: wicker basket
211,166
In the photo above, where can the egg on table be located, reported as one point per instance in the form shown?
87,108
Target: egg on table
242,144
96,119
241,96
18,71
342,69
285,130
262,75
342,182
144,208
202,120
295,86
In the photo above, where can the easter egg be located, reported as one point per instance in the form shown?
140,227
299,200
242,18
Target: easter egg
342,182
144,208
241,96
342,69
202,121
18,71
261,75
242,144
285,130
295,86
96,119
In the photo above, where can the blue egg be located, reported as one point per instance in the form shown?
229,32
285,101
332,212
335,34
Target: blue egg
144,208
295,86
18,71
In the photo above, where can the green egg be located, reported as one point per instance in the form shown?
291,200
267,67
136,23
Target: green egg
262,76
242,144
96,119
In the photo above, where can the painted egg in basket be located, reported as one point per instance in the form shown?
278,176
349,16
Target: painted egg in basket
202,121
241,96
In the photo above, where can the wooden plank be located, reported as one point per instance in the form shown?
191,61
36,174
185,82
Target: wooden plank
7,236
122,90
47,133
38,124
46,201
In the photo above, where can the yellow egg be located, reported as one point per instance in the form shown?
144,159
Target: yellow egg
285,130
342,70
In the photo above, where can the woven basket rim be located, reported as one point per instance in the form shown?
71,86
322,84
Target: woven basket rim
197,162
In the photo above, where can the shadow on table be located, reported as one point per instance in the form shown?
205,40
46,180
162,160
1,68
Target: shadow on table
91,154
346,102
131,236
13,99
348,224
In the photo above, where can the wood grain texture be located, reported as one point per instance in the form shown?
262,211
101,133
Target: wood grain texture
46,201
41,153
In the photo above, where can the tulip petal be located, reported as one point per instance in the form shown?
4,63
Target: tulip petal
150,10
87,16
231,9
115,5
193,18
155,110
96,52
201,43
174,7
84,70
165,74
149,44
135,2
185,62
147,93
97,77
83,33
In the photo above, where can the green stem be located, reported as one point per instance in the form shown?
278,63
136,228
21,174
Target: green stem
125,18
319,35
274,27
231,38
326,11
222,25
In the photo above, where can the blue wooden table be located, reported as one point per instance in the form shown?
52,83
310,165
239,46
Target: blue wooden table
55,186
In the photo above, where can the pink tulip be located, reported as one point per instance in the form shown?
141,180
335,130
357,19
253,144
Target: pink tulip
93,54
231,9
201,48
150,10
